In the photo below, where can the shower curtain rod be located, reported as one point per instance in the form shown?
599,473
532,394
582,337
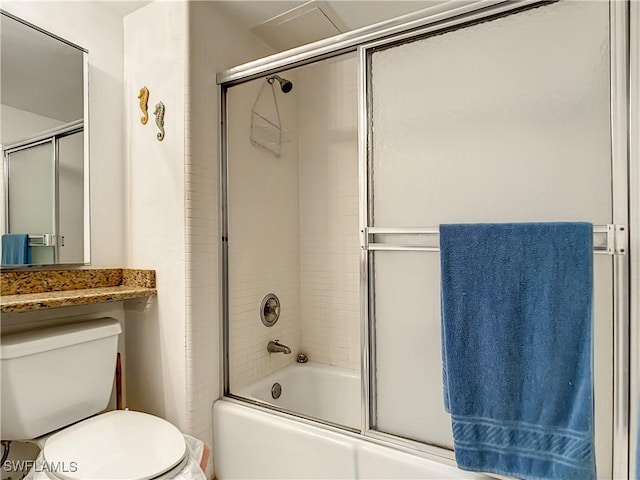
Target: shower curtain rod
616,239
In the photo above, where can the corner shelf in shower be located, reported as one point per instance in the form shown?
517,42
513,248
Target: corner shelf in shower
29,291
266,127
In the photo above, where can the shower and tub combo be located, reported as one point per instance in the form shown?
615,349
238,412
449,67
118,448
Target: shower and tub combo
329,394
332,193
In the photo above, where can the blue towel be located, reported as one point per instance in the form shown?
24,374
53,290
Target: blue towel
517,353
15,249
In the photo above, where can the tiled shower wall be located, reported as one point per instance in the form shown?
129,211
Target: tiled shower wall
263,237
293,224
329,245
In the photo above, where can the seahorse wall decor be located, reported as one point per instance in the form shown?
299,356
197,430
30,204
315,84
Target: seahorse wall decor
144,99
159,113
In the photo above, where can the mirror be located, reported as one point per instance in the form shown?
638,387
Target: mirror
44,141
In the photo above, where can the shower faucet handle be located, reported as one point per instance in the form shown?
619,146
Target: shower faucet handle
270,310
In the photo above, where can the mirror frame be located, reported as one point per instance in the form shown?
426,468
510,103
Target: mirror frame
86,173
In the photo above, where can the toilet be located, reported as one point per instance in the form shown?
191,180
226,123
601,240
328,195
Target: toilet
55,383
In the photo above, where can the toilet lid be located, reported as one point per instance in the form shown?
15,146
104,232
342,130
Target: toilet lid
117,445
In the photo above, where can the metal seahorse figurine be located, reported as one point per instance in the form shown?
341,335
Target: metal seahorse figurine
144,98
159,113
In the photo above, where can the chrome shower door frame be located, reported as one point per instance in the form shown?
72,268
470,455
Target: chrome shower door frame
634,234
440,17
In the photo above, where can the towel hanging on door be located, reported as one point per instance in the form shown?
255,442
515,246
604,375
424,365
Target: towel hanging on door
15,249
517,347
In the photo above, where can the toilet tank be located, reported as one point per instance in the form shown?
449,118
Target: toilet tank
55,376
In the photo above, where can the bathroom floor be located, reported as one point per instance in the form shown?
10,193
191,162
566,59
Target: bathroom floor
19,461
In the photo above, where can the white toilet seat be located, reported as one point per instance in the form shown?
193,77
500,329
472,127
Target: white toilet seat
119,444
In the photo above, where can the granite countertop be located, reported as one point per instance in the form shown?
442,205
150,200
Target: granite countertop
28,291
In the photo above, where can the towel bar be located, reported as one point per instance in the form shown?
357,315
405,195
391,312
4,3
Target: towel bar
42,240
615,241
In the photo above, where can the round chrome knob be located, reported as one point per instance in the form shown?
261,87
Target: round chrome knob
270,310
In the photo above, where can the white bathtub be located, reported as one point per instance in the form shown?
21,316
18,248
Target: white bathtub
254,443
314,390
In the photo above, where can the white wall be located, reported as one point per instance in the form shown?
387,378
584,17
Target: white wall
329,242
16,124
95,27
155,56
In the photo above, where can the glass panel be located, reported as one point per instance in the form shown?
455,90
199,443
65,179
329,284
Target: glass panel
293,232
408,364
71,198
502,121
31,196
493,122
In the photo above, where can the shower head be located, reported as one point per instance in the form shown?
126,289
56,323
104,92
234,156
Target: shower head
285,85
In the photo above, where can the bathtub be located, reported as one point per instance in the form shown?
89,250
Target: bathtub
314,390
252,442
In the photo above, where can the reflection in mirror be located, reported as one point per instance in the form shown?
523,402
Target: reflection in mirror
43,105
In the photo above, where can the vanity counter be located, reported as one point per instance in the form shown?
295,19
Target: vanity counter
26,302
28,291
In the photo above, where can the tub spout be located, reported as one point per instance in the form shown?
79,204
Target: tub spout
274,347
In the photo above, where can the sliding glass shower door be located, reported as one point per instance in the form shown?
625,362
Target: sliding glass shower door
508,120
509,112
31,196
44,190
292,249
